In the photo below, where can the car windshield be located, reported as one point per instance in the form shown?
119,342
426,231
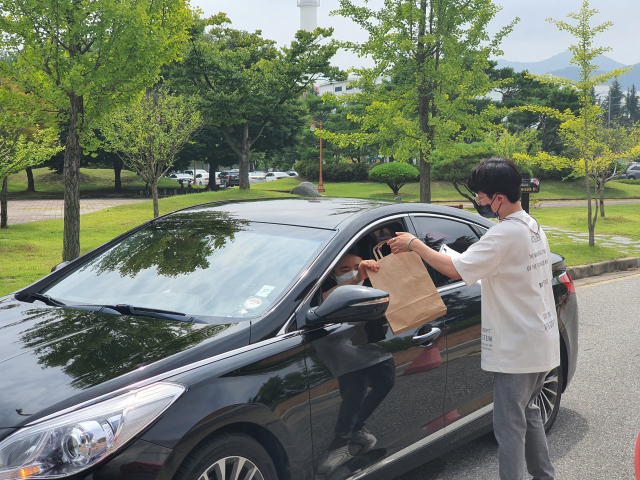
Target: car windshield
205,268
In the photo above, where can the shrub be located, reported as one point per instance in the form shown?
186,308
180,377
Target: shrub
333,172
395,174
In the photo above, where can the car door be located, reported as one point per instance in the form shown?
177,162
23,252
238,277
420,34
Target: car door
469,392
362,375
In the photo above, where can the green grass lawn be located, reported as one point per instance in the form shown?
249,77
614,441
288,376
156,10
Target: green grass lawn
28,251
95,181
443,191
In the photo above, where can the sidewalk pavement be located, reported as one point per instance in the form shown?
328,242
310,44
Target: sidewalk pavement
25,211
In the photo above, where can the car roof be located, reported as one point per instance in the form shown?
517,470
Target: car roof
325,212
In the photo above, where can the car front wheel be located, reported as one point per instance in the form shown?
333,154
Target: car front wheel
228,456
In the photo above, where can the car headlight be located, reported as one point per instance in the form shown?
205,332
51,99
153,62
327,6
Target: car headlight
76,441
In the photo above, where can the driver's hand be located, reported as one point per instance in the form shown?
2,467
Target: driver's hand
367,264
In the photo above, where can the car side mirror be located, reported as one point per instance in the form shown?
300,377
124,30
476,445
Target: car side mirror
350,303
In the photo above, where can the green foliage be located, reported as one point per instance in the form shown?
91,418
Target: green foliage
394,174
632,105
149,134
456,167
245,82
432,56
591,152
333,172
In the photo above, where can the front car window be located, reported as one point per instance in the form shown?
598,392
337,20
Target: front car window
206,268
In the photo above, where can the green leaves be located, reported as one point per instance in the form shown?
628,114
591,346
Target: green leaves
106,51
395,174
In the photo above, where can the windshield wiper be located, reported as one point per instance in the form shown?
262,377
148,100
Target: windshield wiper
153,312
47,299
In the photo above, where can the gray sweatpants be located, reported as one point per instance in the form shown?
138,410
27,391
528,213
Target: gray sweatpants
518,427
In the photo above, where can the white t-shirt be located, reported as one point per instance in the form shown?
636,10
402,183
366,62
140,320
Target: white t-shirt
519,322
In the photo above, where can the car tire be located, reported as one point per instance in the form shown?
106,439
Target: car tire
218,456
631,177
549,399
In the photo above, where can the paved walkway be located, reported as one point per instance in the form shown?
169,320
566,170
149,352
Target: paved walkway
24,211
623,245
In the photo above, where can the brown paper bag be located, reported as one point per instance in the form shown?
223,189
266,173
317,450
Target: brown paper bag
413,298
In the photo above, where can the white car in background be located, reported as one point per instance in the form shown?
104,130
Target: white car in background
257,177
273,176
180,176
202,179
292,173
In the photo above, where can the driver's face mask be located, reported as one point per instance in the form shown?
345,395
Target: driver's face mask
347,276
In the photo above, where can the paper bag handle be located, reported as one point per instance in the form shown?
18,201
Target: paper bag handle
376,250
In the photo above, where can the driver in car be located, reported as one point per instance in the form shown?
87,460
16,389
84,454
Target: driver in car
365,371
350,270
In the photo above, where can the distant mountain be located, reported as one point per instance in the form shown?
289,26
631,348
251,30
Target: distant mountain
557,62
560,66
626,80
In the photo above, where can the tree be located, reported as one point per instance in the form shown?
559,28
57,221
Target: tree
518,90
613,104
431,58
455,168
581,131
395,174
26,137
632,105
245,81
149,135
88,58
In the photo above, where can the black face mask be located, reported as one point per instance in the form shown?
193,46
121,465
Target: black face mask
486,212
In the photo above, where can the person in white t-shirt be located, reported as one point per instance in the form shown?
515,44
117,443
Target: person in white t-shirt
520,338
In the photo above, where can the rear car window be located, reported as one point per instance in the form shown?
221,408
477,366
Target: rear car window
435,232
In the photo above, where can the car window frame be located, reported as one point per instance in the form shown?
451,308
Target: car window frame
474,228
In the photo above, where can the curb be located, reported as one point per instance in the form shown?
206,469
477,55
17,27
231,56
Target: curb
593,269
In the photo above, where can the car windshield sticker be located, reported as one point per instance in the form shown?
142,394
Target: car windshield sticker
265,291
253,303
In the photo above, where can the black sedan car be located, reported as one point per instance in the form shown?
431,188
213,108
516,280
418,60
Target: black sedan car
199,346
230,179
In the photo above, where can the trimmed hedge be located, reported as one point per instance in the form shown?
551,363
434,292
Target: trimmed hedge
395,175
333,172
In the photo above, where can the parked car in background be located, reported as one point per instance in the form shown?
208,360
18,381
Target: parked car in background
292,173
202,179
257,177
181,176
230,179
188,349
632,172
190,172
272,176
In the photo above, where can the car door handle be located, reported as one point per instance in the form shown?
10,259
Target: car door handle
427,339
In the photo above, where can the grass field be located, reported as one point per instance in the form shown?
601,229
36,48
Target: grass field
92,181
443,191
28,251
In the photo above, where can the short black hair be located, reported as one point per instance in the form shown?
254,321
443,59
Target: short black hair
496,175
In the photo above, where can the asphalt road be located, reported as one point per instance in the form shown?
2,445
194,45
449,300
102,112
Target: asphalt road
599,420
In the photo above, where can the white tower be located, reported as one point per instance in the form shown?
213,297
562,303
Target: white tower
308,14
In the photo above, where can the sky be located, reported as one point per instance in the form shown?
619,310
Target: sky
533,39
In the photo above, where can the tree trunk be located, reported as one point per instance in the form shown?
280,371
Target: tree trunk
31,185
154,193
602,197
4,212
72,157
425,180
117,169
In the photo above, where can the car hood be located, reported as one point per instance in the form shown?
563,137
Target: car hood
52,358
